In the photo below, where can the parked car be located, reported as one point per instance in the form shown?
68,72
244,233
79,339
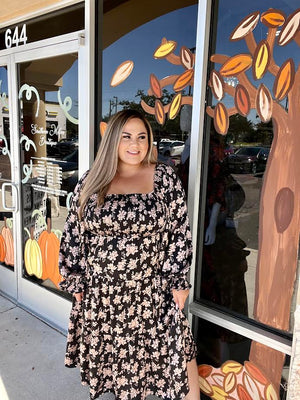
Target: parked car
171,148
248,159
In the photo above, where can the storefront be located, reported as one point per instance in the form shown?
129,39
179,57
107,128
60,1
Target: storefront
220,84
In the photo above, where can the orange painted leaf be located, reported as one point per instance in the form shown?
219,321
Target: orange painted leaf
217,84
221,119
264,103
159,112
273,18
236,64
186,57
103,126
255,372
245,26
121,73
270,393
261,60
175,106
251,386
284,79
155,86
230,382
242,393
284,209
205,386
204,370
289,29
165,49
242,100
183,80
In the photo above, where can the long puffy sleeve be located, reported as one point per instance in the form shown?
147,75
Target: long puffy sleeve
178,252
72,253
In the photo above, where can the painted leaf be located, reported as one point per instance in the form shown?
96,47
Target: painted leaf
236,64
242,100
255,372
218,379
217,84
284,209
221,123
205,386
270,393
284,79
245,26
231,366
165,49
251,387
175,106
122,72
155,86
183,80
289,29
218,393
204,370
103,126
273,18
230,382
261,60
264,103
242,393
186,57
159,112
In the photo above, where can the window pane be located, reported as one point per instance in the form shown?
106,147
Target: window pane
250,229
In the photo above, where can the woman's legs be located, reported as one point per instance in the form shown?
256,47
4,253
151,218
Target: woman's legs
192,370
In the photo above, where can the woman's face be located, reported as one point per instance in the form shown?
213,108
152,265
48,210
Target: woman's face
134,144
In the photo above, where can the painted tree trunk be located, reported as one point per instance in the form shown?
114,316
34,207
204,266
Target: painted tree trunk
278,239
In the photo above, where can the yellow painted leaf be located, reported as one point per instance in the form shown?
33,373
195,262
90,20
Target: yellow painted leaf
264,103
242,100
290,28
251,386
155,86
217,84
159,112
186,57
175,106
218,393
231,366
230,382
261,60
284,79
205,386
245,26
221,123
236,64
270,393
103,126
122,73
273,18
165,49
183,80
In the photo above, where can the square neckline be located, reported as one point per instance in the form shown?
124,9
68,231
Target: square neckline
138,194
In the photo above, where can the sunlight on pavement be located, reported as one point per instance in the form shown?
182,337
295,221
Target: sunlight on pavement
3,393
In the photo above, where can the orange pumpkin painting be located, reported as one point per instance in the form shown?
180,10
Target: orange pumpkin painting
9,244
49,245
2,249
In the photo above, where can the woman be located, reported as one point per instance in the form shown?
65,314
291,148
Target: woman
125,253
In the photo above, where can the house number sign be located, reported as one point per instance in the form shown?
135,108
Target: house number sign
15,37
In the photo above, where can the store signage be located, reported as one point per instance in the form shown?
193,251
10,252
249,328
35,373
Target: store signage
15,37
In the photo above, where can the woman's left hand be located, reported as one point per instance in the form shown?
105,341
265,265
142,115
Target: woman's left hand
180,297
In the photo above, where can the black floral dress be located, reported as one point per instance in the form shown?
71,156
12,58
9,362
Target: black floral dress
127,336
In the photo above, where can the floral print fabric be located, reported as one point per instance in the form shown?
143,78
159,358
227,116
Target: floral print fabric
127,335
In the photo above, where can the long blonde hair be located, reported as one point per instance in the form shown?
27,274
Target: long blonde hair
105,165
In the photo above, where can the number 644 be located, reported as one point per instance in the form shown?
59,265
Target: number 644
14,39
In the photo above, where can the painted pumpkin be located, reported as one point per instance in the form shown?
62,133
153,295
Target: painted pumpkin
49,245
9,244
33,256
2,249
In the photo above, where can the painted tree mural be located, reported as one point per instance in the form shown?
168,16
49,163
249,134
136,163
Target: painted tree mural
280,198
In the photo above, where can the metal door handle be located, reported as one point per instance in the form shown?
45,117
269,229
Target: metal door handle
14,189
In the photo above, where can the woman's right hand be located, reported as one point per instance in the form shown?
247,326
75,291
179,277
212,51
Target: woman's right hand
78,296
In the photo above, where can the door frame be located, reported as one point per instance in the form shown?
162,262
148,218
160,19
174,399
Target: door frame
49,306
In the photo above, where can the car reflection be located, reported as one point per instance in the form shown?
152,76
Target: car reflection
248,159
